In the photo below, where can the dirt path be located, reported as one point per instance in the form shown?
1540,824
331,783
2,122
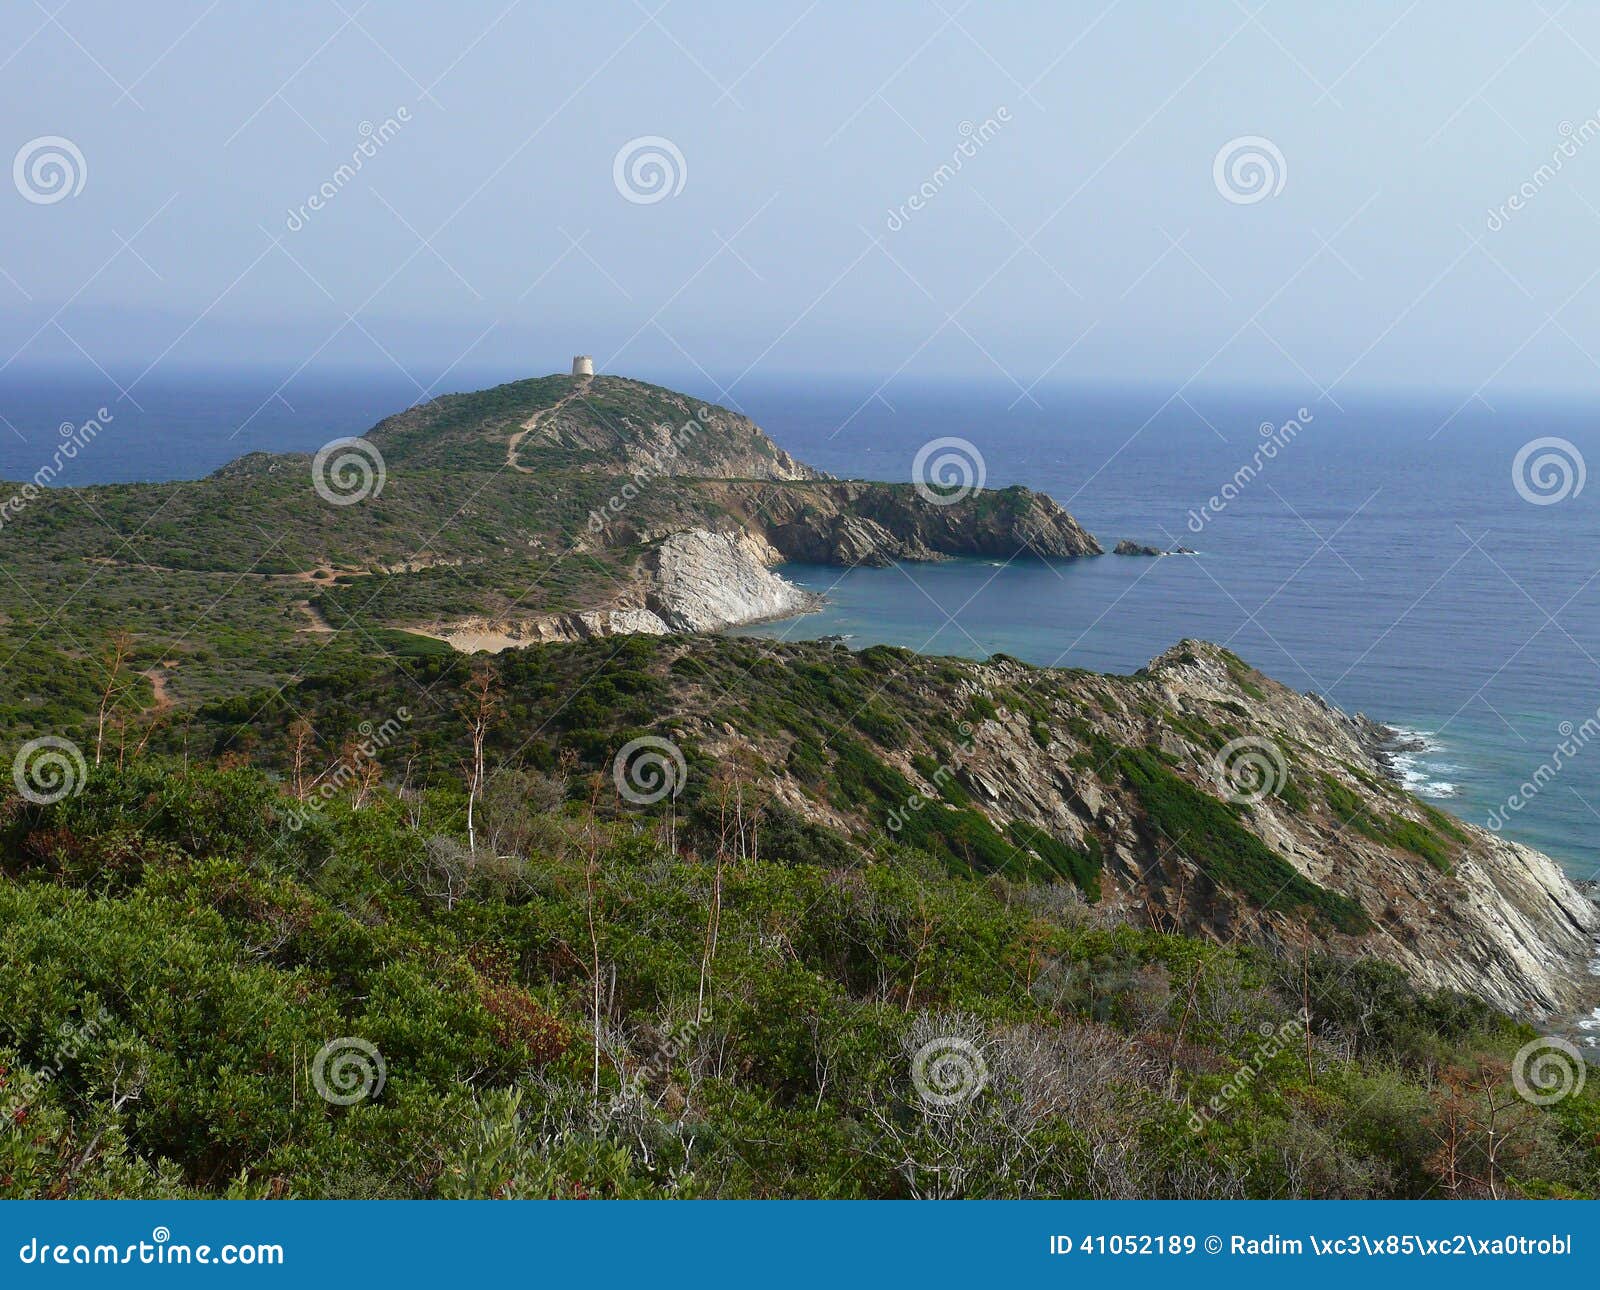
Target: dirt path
158,686
319,625
532,423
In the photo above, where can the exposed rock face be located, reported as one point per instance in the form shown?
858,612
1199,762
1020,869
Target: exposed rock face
851,522
694,581
702,581
492,635
1504,923
619,426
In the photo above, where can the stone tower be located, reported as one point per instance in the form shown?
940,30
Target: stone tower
582,365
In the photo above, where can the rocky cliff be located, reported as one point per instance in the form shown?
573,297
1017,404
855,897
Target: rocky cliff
851,522
616,426
1198,796
693,581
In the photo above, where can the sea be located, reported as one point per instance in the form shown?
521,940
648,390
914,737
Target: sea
1405,555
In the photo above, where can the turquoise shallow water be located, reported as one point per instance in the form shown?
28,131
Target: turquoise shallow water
1384,558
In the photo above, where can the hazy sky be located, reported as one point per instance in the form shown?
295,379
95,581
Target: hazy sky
1086,235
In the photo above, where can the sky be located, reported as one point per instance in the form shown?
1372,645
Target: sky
1025,193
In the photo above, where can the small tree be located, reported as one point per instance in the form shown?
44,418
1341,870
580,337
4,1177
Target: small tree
303,739
116,655
480,706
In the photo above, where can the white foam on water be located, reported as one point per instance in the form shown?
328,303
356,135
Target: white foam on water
1419,771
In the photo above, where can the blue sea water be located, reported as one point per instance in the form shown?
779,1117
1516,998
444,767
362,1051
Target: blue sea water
1383,558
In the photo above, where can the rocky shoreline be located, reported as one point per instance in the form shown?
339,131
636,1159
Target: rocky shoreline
1382,743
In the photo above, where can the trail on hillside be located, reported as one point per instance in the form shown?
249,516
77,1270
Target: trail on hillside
158,687
319,624
532,423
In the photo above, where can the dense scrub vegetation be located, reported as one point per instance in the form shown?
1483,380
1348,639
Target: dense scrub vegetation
703,999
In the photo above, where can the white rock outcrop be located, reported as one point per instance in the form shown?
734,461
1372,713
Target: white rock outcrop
703,581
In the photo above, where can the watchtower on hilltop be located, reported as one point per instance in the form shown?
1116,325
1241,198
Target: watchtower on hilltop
582,365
